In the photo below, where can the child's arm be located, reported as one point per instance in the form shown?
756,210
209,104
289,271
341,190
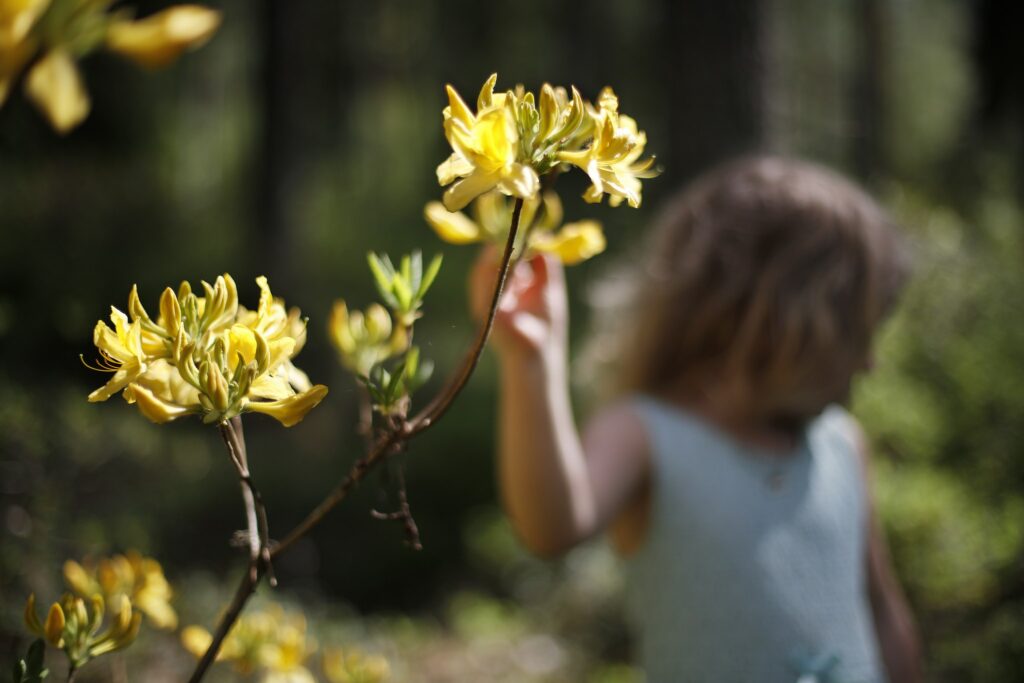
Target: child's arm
894,624
556,489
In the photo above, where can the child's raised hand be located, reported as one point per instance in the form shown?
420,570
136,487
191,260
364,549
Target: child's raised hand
532,316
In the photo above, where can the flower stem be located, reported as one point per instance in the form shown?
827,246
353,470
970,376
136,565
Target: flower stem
259,542
436,408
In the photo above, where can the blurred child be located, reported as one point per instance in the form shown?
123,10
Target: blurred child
724,471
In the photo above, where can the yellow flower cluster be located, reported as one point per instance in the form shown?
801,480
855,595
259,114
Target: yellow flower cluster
130,575
364,338
207,355
355,667
275,644
540,220
73,627
512,139
48,36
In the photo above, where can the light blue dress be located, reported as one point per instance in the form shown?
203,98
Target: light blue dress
753,567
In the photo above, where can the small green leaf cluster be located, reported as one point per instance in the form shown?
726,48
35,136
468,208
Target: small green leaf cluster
389,389
376,344
30,669
403,288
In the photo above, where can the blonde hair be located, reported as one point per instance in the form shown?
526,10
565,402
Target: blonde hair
763,283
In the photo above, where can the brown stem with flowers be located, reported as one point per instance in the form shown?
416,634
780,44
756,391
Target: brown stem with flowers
390,442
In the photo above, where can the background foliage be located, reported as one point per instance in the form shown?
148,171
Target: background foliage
306,134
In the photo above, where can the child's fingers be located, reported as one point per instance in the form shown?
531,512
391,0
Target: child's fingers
548,280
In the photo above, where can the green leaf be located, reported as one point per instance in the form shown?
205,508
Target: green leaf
412,361
406,268
395,385
404,294
428,277
416,270
422,375
384,277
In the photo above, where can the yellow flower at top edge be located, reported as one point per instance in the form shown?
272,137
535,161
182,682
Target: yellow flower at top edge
540,219
512,140
208,355
17,17
56,33
160,38
139,578
612,158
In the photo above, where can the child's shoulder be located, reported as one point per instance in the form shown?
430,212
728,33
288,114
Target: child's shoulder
836,422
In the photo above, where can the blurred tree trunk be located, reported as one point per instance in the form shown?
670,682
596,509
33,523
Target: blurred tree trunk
867,149
718,57
302,79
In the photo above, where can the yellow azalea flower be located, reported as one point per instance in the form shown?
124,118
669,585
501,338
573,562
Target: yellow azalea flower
355,667
611,159
486,151
270,641
74,627
364,339
130,575
66,30
56,88
17,18
160,38
512,139
539,221
208,355
284,656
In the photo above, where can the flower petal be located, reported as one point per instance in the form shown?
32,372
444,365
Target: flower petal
457,109
160,38
156,409
451,226
469,188
520,181
125,375
290,411
54,85
453,168
574,243
271,387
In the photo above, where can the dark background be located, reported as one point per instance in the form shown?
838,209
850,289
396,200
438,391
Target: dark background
307,133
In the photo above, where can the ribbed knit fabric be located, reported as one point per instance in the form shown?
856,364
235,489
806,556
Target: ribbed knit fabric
753,567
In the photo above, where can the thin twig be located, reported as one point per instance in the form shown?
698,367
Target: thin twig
425,418
259,544
403,514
